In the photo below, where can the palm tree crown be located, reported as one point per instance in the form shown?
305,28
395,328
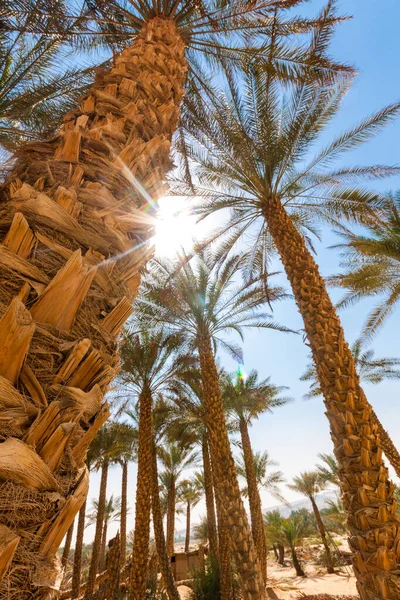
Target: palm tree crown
309,483
269,481
372,265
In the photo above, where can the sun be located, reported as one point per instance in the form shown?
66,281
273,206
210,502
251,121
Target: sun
176,227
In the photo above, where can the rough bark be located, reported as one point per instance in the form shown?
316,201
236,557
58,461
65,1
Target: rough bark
96,550
74,233
67,546
366,489
389,449
103,545
296,563
187,536
322,533
281,554
256,516
224,549
76,573
171,504
209,494
159,536
124,511
245,556
141,539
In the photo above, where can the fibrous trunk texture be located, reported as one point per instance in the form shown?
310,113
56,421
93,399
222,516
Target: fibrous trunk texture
187,536
141,540
245,556
257,521
102,557
224,550
96,550
209,494
74,231
159,536
366,489
322,532
67,546
171,502
124,511
76,573
389,449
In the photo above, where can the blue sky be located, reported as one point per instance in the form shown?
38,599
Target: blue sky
295,434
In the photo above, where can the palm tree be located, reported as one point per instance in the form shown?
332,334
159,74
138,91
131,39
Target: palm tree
371,262
292,530
83,202
203,302
272,524
265,480
105,449
246,399
190,493
128,454
150,363
76,572
371,370
310,483
175,458
254,156
335,516
112,512
329,470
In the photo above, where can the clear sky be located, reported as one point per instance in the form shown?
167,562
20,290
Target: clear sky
295,434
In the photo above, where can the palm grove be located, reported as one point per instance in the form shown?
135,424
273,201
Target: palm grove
240,91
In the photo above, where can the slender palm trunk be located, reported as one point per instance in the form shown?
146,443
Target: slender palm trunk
187,537
209,493
257,521
224,550
94,563
171,504
366,488
124,512
102,557
163,556
281,553
76,574
296,563
141,539
322,533
67,546
275,552
73,242
248,566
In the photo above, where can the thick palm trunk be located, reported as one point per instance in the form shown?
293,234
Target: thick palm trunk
366,488
187,536
244,553
209,493
296,563
102,558
390,450
76,574
141,539
322,533
124,511
67,546
94,563
224,550
73,240
171,503
159,536
257,521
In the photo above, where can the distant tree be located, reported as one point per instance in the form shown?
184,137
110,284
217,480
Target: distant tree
190,494
329,470
112,512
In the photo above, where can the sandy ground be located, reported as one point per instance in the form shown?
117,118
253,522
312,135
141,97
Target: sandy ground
284,585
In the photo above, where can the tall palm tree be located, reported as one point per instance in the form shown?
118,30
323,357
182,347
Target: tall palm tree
292,530
265,480
247,399
112,512
175,458
371,370
272,523
329,470
150,362
190,494
105,450
254,156
310,483
78,212
203,302
76,572
371,262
